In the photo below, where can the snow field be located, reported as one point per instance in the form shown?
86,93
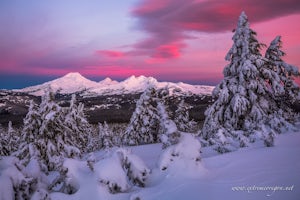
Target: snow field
236,175
253,167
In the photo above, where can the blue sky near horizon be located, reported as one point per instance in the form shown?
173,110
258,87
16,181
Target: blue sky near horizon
22,81
172,40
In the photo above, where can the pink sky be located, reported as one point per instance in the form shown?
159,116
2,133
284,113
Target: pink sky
174,40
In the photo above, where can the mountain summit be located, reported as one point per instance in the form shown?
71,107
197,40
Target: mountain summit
108,81
75,83
68,84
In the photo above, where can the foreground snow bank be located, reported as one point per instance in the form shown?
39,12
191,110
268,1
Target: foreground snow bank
105,175
9,174
14,184
249,173
255,172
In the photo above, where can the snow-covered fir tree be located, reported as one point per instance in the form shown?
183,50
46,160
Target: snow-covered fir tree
106,136
243,107
182,118
136,170
1,128
94,140
31,125
46,142
184,153
53,142
103,139
282,85
144,123
27,152
12,138
77,127
15,182
9,140
181,149
168,131
117,130
125,167
4,150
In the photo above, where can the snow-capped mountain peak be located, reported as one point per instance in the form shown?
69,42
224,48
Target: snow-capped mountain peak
134,81
137,84
108,81
74,75
75,78
76,83
68,84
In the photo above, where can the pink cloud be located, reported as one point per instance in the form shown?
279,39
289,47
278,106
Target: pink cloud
210,16
109,53
168,25
170,22
151,6
167,51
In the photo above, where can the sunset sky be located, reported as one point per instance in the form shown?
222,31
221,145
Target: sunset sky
171,40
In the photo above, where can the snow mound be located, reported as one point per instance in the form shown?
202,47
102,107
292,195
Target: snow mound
183,157
115,171
84,180
12,179
110,173
136,170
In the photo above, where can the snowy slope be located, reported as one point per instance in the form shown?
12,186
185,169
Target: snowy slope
74,82
237,175
250,173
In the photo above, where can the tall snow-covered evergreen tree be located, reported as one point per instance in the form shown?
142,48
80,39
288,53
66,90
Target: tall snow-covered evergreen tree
182,118
144,123
53,142
9,140
282,85
186,152
12,138
15,182
106,136
94,140
243,107
77,127
4,150
168,131
32,123
1,129
45,140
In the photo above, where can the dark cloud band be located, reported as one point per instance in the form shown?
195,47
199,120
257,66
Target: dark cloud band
168,22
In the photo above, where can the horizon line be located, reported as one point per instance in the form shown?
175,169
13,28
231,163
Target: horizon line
29,80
